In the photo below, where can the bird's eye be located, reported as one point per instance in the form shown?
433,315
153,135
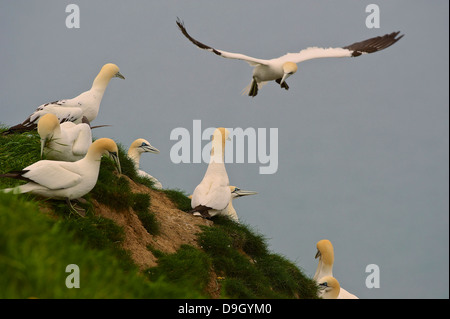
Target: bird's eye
325,284
237,189
144,144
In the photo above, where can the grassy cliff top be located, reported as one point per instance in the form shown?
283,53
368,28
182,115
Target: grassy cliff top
135,242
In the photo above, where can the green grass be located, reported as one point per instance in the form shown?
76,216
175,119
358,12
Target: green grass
179,198
36,249
188,267
17,152
241,255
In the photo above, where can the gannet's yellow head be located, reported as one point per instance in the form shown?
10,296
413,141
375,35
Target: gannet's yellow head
329,287
46,127
106,146
47,124
289,68
108,71
237,192
142,146
112,71
325,251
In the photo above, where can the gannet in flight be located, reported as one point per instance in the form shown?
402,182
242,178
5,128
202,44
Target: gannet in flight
138,147
279,69
325,253
72,110
229,210
213,193
63,142
65,180
329,287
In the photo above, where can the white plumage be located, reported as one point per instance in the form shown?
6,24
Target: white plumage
65,180
325,253
213,193
138,147
279,69
63,142
73,110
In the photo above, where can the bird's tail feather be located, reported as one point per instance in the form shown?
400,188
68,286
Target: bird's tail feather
17,190
252,88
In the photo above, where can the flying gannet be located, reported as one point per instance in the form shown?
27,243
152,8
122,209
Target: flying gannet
325,253
138,147
329,288
279,69
229,210
65,180
63,142
213,193
72,110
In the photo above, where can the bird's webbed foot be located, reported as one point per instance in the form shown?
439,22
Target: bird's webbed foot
78,210
284,85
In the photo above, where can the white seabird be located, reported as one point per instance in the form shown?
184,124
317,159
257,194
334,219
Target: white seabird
329,287
325,253
279,69
72,110
213,193
65,180
138,147
63,142
229,210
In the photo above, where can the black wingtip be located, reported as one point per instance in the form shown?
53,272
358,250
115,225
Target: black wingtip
17,175
374,44
203,46
19,128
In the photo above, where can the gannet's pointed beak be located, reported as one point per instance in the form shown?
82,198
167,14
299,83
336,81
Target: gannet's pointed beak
115,157
285,76
242,192
318,254
119,75
43,141
97,126
149,148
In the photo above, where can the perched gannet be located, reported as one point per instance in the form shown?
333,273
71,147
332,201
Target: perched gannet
138,147
65,180
72,110
325,253
63,142
229,210
213,193
279,69
329,287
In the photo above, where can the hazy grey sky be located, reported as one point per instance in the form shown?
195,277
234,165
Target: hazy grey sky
363,143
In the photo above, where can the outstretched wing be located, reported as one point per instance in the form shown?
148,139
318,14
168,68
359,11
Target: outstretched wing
252,61
353,50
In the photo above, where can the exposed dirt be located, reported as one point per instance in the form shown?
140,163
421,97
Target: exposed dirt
176,226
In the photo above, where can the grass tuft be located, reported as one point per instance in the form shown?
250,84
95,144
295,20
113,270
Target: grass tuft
179,198
188,267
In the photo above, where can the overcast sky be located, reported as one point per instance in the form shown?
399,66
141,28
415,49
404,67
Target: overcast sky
362,142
